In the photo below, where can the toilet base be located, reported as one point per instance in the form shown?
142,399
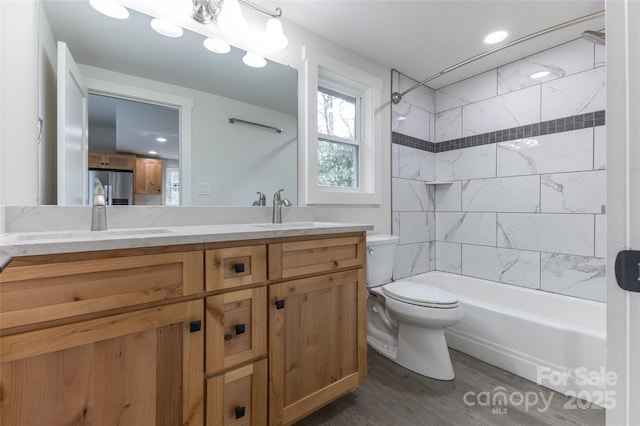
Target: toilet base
425,351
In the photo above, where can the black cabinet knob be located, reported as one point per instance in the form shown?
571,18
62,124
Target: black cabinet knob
239,411
240,329
239,267
279,304
228,337
195,326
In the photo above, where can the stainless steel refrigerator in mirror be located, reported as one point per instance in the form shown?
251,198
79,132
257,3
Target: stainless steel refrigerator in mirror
118,186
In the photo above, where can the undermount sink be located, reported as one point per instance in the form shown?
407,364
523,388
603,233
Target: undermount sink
62,235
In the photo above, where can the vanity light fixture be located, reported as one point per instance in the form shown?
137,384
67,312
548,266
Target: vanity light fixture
539,74
161,139
496,37
166,28
227,14
253,60
110,8
217,45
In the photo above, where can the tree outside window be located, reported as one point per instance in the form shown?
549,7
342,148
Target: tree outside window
338,139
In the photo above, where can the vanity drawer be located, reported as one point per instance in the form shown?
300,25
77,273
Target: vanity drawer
238,397
61,288
235,267
293,259
236,328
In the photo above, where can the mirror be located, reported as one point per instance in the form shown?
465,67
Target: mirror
228,162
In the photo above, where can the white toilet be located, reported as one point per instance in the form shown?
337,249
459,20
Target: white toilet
406,320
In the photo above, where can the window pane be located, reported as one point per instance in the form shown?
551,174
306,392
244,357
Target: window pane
336,114
337,164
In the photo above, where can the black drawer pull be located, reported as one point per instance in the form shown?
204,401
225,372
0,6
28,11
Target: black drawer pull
195,326
239,267
279,304
239,411
240,329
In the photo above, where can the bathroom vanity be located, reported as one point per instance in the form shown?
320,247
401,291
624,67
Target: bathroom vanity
216,325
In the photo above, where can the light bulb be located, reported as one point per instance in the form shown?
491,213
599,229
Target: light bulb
230,18
275,37
217,45
166,28
539,74
496,37
253,60
110,8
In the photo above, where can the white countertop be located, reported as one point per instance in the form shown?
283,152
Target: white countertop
38,243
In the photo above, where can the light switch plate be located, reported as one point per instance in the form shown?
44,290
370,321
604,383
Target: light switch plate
203,188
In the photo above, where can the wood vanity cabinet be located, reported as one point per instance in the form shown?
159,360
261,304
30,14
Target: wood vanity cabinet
148,176
317,325
111,161
99,340
239,333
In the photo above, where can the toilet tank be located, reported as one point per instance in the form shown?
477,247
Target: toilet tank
381,253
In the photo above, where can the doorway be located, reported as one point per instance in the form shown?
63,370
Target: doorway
119,125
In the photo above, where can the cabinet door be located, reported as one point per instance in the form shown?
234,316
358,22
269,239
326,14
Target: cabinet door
148,176
120,161
111,161
236,328
96,161
63,288
138,368
238,397
317,342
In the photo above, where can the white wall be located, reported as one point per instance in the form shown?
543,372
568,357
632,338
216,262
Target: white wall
23,164
18,102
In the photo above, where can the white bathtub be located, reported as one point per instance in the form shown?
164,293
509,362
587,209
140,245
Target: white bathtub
557,341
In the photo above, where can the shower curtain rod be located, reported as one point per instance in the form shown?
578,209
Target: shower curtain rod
397,97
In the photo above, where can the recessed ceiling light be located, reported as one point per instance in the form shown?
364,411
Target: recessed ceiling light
161,139
496,37
254,60
539,74
166,28
401,118
152,152
217,45
110,8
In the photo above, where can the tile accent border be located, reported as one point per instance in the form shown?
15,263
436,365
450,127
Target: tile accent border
575,122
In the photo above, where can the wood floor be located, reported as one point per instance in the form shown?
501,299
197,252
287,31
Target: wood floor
394,396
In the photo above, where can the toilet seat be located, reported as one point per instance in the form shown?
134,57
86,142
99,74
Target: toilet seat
420,294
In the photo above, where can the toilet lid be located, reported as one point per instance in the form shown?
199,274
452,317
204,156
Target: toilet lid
420,294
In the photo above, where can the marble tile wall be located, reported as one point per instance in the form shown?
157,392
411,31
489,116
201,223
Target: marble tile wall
526,160
413,201
526,211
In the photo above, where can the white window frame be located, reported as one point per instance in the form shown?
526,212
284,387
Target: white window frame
357,141
322,70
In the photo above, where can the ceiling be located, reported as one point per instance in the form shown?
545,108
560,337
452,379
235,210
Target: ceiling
420,38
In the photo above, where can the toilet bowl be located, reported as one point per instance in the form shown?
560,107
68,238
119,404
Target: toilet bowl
406,320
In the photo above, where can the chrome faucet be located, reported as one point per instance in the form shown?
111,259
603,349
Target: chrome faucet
99,211
278,204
